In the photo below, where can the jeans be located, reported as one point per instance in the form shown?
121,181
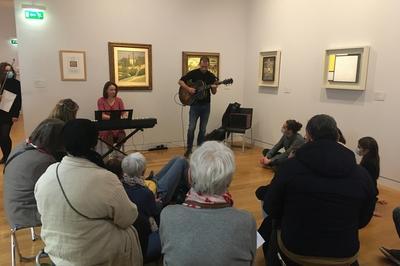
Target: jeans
170,176
196,111
5,140
153,247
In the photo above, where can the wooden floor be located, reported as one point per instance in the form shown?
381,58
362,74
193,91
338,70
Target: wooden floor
249,176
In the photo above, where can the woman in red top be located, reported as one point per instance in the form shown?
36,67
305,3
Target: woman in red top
110,101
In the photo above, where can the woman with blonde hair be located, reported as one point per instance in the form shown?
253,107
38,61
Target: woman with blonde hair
65,110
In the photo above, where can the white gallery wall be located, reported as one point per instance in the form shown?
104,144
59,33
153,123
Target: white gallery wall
302,30
170,26
8,52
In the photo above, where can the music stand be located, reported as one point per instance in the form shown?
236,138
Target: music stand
114,114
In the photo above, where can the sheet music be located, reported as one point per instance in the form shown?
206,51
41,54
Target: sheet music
260,240
7,100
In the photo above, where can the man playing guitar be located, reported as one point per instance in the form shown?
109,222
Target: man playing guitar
200,108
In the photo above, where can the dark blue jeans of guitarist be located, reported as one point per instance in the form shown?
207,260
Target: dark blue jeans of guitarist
200,99
197,111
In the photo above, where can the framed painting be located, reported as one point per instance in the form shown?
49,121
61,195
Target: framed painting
268,70
130,65
72,65
191,61
346,68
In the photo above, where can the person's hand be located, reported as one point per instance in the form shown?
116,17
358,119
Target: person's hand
382,202
265,160
15,119
377,214
192,90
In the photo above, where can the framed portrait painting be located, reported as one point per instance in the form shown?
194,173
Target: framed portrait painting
72,65
130,65
191,61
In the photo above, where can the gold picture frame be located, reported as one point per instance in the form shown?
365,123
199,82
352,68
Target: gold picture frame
72,65
130,65
191,60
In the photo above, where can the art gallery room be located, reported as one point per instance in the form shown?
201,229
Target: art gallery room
213,132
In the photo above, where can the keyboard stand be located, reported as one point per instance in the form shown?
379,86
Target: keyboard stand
118,145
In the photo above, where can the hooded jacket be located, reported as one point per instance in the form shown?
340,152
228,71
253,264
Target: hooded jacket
321,198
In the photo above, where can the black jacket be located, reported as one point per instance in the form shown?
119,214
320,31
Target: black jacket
321,198
14,86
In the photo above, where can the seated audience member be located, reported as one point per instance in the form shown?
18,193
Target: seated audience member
369,151
291,140
394,254
207,229
65,110
171,180
26,163
133,167
86,215
319,200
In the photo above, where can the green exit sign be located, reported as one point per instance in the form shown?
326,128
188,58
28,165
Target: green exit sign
14,41
34,14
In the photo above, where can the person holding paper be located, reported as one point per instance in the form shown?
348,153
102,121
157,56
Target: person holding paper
10,106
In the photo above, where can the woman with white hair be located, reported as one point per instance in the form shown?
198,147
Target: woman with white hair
167,180
206,229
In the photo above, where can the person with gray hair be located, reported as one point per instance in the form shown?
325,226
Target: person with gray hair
26,163
167,181
207,229
319,200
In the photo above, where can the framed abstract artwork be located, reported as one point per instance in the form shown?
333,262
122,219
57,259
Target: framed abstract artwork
72,65
191,60
130,65
346,68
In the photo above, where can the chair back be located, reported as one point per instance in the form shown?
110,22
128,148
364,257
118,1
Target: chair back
240,120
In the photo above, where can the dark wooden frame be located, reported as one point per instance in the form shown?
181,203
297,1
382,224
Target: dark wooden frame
186,55
112,45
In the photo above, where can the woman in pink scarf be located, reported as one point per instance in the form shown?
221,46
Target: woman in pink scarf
207,229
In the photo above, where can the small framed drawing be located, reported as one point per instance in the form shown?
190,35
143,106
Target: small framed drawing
269,69
130,65
346,68
191,60
73,65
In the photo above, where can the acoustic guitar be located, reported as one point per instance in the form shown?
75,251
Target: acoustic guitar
202,90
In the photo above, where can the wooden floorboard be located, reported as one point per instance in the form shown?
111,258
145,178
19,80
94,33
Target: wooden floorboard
249,175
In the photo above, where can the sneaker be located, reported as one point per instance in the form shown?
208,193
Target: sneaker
187,154
391,254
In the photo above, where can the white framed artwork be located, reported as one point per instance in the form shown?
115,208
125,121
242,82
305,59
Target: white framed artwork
73,65
346,68
269,69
